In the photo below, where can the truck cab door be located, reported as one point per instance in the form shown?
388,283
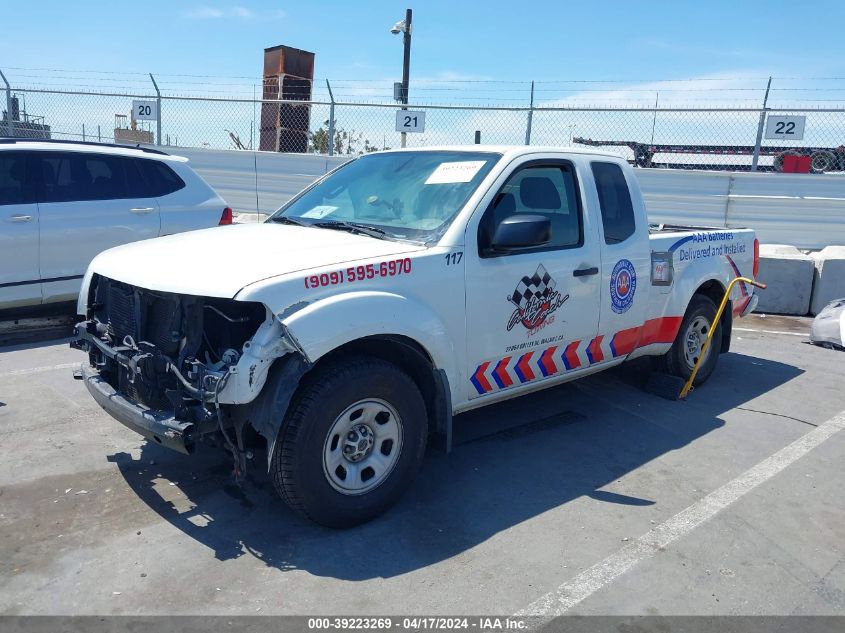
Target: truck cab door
532,314
625,251
20,283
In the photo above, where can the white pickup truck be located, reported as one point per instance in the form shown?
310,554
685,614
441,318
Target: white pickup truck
398,290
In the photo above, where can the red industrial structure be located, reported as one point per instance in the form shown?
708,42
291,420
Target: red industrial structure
288,75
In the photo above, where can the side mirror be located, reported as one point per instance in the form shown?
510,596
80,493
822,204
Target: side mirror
521,231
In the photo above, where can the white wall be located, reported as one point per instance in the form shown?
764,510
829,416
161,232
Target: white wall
241,177
805,210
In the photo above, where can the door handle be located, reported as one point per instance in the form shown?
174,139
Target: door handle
141,210
19,218
584,272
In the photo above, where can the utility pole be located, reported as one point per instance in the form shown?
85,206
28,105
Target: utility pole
405,28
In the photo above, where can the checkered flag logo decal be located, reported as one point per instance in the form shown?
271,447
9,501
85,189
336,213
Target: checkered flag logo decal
535,298
539,285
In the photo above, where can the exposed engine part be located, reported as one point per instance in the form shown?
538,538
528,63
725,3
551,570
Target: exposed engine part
225,316
166,351
185,359
230,357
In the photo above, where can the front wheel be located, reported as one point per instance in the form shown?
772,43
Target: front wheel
351,443
689,342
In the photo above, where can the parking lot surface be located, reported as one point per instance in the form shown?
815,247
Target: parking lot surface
594,497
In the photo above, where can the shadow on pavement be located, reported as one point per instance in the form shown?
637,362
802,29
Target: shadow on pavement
514,461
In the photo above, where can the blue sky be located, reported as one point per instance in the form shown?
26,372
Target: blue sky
634,43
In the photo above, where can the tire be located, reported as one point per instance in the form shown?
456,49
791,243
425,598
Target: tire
352,441
698,319
823,161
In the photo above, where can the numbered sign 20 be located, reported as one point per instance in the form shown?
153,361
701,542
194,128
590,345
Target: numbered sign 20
410,121
785,127
144,110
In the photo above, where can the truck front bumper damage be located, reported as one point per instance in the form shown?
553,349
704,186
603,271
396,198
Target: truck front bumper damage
244,398
160,427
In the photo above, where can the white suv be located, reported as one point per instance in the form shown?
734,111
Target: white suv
62,203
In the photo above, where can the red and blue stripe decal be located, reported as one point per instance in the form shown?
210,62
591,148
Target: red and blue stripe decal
479,380
508,371
745,296
547,361
500,374
594,350
523,369
570,356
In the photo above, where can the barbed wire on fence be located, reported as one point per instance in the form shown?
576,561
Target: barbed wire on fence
646,123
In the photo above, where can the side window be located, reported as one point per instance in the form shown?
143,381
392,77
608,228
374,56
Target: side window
161,179
14,181
617,212
63,179
108,177
136,183
78,176
548,190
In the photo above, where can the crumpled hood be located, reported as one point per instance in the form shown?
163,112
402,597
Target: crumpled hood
220,261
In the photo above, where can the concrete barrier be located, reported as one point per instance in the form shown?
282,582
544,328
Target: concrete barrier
829,278
788,275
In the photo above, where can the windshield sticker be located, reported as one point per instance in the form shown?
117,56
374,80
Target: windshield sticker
461,171
535,299
320,211
623,285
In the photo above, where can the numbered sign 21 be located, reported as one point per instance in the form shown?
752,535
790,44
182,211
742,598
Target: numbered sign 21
410,121
144,110
785,127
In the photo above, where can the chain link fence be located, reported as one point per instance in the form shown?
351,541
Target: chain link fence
736,138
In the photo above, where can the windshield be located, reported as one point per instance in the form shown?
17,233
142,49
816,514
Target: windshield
405,195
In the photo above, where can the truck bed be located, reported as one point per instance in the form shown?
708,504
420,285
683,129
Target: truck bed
680,228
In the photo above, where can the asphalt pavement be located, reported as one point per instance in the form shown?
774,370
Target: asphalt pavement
594,497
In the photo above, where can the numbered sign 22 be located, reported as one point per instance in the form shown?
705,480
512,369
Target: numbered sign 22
144,110
410,121
785,127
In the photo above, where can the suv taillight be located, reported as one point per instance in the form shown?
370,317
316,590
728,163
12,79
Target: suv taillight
226,217
756,268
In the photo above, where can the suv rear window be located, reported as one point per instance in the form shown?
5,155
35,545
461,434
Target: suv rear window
161,179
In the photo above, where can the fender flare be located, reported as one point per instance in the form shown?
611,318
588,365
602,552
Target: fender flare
323,326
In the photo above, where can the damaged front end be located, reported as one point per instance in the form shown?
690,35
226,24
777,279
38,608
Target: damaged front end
175,368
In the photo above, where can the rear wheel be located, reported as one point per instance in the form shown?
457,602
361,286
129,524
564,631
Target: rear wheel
689,342
352,442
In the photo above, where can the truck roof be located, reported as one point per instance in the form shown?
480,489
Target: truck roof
512,150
